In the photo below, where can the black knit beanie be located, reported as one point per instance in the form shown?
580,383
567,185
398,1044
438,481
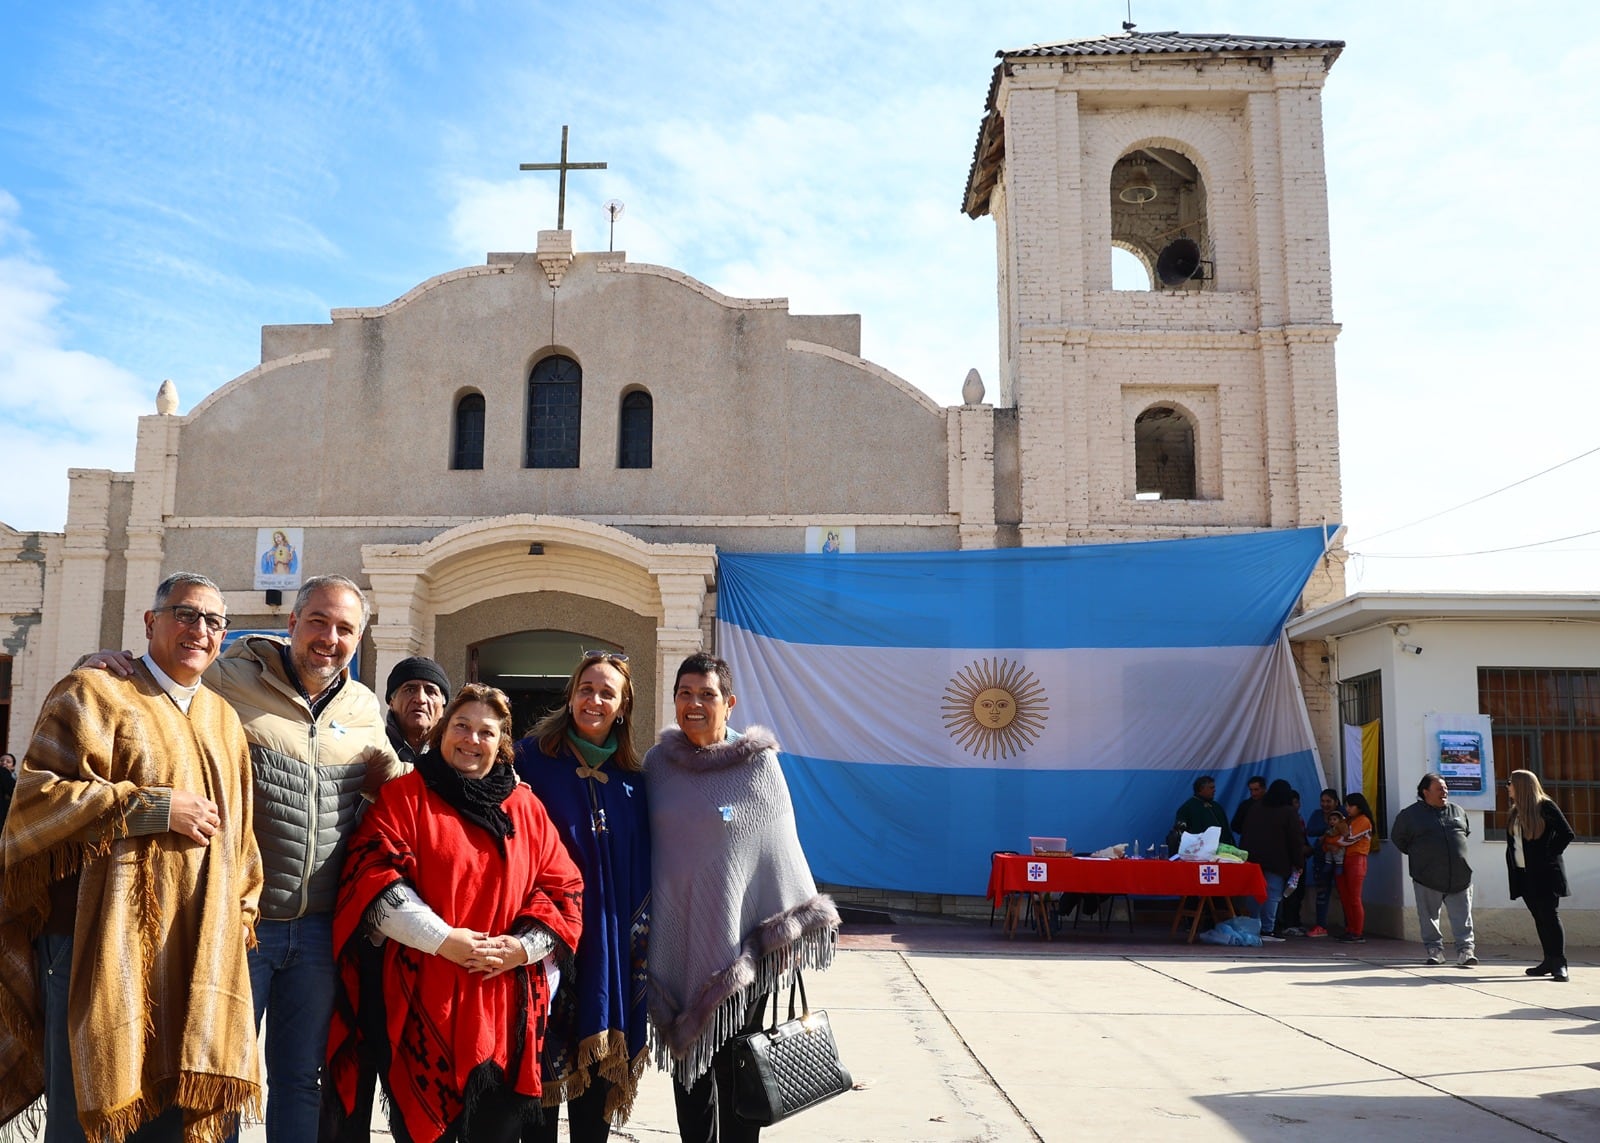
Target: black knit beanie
417,668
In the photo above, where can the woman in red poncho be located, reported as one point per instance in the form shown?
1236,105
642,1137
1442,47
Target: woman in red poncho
458,873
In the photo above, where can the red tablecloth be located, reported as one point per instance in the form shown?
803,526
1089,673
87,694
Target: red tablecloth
1010,873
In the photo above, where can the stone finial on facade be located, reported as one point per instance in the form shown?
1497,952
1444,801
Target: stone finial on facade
555,254
167,398
972,388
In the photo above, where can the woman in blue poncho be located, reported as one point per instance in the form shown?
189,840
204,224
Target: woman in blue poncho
581,763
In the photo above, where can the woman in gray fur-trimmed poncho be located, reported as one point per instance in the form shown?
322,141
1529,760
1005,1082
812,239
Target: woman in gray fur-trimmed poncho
735,908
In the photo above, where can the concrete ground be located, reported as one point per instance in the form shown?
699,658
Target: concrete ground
953,1032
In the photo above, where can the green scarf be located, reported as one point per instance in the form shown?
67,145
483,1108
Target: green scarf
593,757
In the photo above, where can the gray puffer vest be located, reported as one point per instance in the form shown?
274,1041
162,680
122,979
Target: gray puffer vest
310,774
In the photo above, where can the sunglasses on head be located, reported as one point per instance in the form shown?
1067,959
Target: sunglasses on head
606,656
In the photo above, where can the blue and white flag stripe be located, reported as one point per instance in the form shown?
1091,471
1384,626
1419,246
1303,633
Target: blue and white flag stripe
1172,709
1217,591
933,707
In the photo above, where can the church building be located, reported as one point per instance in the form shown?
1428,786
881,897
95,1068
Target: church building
546,452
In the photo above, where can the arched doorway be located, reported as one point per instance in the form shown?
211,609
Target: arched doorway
588,585
532,667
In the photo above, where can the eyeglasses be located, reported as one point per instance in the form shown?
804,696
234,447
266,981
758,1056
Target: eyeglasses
607,656
190,616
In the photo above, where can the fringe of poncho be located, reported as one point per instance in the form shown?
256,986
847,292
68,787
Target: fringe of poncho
607,1053
766,963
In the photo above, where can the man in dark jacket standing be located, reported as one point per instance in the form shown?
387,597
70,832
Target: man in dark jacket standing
1432,832
1201,812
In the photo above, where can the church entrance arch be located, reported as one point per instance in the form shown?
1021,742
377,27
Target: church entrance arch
532,667
515,600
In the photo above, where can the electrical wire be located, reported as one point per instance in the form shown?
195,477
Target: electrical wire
1485,552
1476,499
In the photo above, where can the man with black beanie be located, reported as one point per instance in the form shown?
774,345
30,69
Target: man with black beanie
417,692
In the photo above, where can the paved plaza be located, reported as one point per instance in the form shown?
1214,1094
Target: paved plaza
954,1033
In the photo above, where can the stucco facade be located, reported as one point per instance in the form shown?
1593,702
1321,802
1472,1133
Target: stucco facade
767,422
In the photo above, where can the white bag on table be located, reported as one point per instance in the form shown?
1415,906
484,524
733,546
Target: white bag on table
1200,846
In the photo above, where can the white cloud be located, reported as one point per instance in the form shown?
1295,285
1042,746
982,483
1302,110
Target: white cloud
62,408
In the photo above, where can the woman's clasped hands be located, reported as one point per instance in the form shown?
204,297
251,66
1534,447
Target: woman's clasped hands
482,953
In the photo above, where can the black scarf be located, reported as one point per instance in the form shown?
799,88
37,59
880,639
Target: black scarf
478,800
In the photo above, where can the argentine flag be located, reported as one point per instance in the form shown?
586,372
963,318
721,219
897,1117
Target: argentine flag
933,707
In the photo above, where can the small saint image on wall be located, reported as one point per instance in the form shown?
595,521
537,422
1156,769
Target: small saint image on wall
830,539
278,558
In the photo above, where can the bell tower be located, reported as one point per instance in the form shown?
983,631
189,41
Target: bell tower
1205,402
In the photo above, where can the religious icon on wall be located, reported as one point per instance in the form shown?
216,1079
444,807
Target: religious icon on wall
830,539
278,558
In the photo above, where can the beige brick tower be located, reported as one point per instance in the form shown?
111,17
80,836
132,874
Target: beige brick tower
1203,404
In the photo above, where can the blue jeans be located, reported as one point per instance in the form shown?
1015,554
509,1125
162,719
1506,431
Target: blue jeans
1268,909
61,1098
292,981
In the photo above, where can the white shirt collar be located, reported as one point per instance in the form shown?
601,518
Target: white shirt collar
177,692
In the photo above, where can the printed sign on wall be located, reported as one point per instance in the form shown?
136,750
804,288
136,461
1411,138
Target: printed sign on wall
1461,751
278,558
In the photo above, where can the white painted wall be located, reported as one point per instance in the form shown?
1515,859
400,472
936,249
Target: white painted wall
1444,680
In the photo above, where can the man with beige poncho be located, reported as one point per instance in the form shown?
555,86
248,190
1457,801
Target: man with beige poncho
129,881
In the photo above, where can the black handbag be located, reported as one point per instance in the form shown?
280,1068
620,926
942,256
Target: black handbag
787,1067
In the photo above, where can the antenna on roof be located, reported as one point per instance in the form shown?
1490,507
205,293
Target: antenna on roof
1128,25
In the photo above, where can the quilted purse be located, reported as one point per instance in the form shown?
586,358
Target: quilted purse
787,1067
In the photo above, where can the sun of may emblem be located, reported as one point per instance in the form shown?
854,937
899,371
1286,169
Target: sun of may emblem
995,708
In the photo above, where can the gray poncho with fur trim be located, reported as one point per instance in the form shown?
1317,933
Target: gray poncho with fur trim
734,907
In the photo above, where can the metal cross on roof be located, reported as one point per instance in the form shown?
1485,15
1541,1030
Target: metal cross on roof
563,166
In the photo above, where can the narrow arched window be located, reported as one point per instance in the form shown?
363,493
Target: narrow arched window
1159,215
468,442
634,431
1163,454
555,402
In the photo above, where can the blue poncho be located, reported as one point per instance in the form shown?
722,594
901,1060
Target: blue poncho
598,1016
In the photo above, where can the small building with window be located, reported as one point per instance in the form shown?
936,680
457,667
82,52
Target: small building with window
1529,663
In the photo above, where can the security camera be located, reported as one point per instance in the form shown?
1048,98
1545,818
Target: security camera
1411,648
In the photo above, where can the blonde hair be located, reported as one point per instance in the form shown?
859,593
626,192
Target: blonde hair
1526,794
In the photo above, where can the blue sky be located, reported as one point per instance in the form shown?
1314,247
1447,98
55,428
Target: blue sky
175,176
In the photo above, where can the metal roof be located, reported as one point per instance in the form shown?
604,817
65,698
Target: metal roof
1370,609
1140,43
989,151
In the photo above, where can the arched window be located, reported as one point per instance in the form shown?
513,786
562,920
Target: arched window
1158,214
468,446
555,402
1163,455
635,430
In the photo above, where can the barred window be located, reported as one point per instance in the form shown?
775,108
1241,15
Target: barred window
634,430
1546,719
468,450
555,403
1361,703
